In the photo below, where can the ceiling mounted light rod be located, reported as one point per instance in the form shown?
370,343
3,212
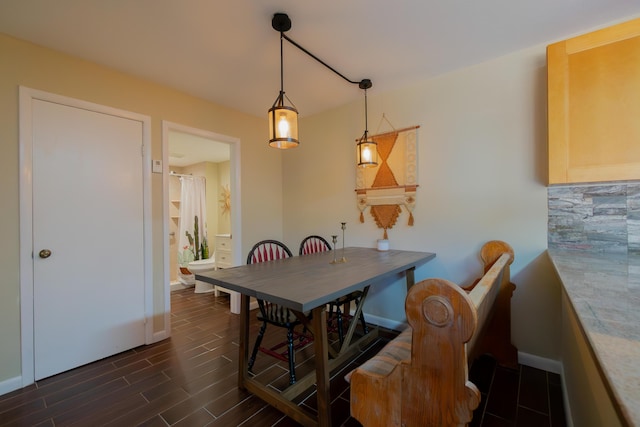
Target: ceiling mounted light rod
282,23
283,120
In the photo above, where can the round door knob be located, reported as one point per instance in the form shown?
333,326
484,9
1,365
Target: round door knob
45,253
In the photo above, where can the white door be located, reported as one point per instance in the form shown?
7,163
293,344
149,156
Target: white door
88,295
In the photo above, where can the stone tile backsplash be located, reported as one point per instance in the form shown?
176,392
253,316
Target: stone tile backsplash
595,218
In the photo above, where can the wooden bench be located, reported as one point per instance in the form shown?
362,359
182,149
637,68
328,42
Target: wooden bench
420,378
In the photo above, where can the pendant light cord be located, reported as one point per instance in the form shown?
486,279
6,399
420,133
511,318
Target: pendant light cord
366,120
281,64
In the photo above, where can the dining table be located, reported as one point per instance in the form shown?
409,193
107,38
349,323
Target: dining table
306,284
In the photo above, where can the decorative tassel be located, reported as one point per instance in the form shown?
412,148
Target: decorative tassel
385,234
411,219
361,217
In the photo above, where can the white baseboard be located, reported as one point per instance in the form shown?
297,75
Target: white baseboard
384,322
176,286
538,362
159,336
11,384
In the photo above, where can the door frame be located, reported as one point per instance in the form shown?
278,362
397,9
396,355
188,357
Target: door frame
26,98
234,181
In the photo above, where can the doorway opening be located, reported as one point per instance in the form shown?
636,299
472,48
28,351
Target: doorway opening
193,154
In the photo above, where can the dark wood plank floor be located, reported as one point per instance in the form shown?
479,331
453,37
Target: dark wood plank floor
190,380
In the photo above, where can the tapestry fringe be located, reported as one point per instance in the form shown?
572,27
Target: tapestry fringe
385,216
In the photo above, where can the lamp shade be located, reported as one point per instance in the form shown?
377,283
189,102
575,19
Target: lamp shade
367,152
283,125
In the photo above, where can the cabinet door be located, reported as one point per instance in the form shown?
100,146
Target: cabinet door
224,251
594,106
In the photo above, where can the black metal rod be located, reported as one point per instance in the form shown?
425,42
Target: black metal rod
363,84
281,65
366,124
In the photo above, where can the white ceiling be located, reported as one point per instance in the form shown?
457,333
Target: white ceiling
227,52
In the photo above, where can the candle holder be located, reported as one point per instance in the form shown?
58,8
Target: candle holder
334,239
344,227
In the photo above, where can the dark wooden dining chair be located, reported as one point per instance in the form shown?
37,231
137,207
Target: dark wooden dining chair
314,244
275,314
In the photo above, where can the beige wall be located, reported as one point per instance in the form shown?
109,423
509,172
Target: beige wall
224,219
482,168
44,69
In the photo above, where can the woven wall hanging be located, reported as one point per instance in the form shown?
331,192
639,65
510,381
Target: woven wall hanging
393,183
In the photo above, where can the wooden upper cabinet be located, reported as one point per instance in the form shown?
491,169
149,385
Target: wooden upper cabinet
594,106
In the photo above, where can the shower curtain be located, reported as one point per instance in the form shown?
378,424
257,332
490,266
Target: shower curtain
192,205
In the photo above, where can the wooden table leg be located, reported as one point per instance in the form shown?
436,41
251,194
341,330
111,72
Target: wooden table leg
320,345
354,321
411,278
243,356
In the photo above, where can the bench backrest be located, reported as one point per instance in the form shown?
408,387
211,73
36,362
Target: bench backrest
448,328
484,294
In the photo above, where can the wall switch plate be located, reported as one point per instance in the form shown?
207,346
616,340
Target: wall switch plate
157,166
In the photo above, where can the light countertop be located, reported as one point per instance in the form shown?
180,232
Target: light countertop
604,290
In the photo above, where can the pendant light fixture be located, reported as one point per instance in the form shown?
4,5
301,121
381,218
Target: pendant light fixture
367,148
283,119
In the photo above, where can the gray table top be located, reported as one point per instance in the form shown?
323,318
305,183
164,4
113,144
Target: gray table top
305,282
